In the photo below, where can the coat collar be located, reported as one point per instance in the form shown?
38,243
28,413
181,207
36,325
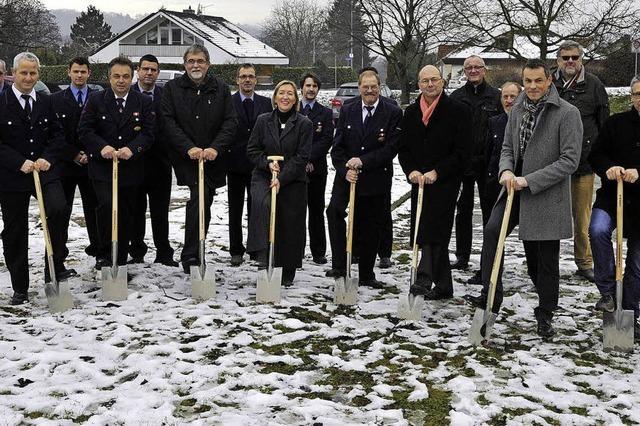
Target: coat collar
274,125
553,99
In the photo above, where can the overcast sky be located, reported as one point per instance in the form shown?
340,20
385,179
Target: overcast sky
241,11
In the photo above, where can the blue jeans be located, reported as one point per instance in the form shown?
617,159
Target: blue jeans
604,268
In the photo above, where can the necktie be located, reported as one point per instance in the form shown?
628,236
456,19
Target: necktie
120,103
307,109
27,104
247,104
80,98
367,119
148,93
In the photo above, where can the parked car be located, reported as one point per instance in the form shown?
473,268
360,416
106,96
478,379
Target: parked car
457,82
350,90
163,77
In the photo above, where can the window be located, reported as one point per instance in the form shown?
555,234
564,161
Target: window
152,36
176,36
189,39
164,35
141,39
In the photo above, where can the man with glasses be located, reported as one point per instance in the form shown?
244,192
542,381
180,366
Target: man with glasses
4,85
248,106
586,92
200,123
157,176
484,101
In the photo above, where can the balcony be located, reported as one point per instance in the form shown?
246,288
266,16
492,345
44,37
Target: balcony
160,50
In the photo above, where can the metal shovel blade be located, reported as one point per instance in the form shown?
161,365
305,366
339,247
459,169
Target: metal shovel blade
114,283
268,289
58,296
345,291
410,307
481,326
203,286
618,330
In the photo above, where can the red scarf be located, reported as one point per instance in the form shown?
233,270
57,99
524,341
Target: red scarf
427,110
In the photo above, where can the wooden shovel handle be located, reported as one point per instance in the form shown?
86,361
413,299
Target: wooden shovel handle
352,209
201,235
619,224
414,259
272,215
499,249
114,199
43,214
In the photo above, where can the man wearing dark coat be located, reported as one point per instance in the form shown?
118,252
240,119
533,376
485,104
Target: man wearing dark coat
322,119
434,151
200,122
30,139
157,176
116,122
616,155
248,106
363,150
68,106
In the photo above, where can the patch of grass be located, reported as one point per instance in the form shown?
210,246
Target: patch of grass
581,411
212,355
434,410
587,389
182,392
57,394
187,350
36,415
227,404
282,368
187,322
189,402
403,258
482,400
191,339
15,311
360,401
202,409
338,378
308,316
128,377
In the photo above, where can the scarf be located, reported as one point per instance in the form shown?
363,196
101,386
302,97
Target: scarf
428,109
531,112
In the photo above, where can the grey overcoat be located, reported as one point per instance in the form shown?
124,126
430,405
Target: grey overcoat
552,155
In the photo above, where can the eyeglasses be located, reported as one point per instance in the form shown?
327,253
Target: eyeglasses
192,62
246,77
432,80
572,57
635,94
473,67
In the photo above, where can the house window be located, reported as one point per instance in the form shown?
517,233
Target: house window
164,35
141,39
152,36
189,39
176,36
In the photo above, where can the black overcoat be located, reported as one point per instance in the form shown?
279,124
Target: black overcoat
158,155
198,116
322,119
22,139
294,144
618,144
101,124
444,146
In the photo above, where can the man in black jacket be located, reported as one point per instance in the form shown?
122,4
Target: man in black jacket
116,122
30,139
200,122
586,92
248,106
322,119
363,150
68,106
484,101
157,176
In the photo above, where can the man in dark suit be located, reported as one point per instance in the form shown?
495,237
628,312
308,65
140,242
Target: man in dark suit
30,139
248,106
116,122
157,177
363,150
68,106
322,119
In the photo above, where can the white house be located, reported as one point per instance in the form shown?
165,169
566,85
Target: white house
167,34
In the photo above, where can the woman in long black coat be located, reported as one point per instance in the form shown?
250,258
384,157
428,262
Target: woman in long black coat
287,133
436,153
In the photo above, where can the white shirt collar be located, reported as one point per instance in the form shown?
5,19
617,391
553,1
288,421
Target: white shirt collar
243,97
375,106
19,95
153,89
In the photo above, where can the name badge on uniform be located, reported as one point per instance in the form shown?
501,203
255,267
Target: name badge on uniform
381,136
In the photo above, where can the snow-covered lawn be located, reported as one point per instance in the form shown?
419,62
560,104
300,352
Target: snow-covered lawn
159,358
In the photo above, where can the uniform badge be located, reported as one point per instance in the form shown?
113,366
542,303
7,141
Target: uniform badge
381,136
319,127
136,113
137,128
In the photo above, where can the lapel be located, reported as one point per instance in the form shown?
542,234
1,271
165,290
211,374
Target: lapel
376,119
274,126
237,104
37,109
110,105
132,104
14,104
291,122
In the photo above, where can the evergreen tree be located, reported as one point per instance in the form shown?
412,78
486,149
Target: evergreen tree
90,31
347,31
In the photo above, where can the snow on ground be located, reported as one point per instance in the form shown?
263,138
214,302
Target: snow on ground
160,358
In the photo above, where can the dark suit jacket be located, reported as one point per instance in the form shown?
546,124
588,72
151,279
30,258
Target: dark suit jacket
101,124
376,146
322,119
22,139
236,156
158,154
68,112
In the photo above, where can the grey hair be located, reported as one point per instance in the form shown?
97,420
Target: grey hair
474,56
25,56
570,45
3,64
634,80
194,49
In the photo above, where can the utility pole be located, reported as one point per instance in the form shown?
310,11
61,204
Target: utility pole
351,33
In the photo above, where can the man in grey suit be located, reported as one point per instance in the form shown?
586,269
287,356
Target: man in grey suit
541,150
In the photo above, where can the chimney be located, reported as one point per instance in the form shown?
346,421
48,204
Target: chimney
238,40
191,11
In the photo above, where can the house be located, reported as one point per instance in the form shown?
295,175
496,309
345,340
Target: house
167,34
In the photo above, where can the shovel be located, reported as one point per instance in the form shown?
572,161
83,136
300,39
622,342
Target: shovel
346,288
270,280
410,306
58,296
618,325
483,320
114,277
203,280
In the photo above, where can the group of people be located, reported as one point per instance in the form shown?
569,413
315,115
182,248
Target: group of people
544,138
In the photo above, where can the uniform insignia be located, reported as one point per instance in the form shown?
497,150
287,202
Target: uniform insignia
137,128
136,113
319,127
381,135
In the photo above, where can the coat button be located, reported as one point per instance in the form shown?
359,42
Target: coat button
9,123
362,148
119,137
31,140
63,116
197,116
32,153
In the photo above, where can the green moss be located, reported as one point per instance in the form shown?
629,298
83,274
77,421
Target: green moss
36,415
403,258
581,411
338,378
433,410
308,316
212,355
360,401
282,368
189,402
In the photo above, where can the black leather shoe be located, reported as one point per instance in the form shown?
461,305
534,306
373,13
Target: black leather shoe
236,260
19,298
135,260
606,304
66,274
166,262
373,283
385,263
476,279
320,260
434,294
355,260
188,263
418,290
545,329
476,301
460,263
636,332
335,273
587,274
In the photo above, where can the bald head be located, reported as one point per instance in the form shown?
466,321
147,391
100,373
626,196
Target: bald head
430,83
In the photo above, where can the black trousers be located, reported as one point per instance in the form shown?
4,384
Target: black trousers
89,205
386,238
368,225
15,234
191,228
543,259
157,187
315,197
126,204
434,264
464,212
238,189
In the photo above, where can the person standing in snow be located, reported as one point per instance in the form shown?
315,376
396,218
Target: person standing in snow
541,150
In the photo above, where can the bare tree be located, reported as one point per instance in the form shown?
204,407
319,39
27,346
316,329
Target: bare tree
26,25
508,25
297,29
